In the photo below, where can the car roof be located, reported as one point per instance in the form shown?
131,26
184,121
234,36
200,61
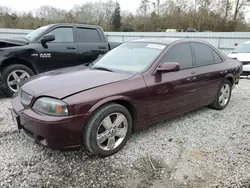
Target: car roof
165,41
75,24
168,41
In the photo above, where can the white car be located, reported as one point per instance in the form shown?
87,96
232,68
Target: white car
242,53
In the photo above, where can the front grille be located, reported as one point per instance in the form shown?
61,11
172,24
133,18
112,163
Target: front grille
245,62
245,73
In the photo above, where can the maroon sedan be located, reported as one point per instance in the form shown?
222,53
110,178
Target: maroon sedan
137,84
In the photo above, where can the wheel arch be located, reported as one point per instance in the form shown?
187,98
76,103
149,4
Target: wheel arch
12,61
230,78
123,101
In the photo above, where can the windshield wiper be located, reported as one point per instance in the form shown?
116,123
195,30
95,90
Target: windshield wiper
102,68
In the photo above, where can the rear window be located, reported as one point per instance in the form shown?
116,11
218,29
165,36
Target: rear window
88,35
203,54
217,58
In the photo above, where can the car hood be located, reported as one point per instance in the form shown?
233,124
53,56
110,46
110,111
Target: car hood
240,56
7,41
68,81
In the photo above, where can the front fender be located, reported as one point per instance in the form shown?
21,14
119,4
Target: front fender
2,57
110,99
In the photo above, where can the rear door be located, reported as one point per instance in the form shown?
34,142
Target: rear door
172,93
62,52
90,44
211,72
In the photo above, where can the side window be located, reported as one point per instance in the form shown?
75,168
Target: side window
88,35
63,34
180,53
217,58
203,54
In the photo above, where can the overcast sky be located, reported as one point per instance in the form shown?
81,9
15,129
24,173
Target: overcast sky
26,5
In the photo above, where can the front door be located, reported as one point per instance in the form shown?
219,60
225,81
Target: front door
62,52
173,93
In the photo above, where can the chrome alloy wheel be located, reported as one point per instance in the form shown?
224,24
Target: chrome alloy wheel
15,78
224,94
112,131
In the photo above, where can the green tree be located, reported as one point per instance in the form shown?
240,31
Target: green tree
116,18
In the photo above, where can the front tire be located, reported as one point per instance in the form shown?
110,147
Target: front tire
12,76
223,96
107,130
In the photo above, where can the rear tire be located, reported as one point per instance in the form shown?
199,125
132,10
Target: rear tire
223,96
102,136
11,75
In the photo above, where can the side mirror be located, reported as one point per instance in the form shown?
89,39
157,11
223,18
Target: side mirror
48,38
168,67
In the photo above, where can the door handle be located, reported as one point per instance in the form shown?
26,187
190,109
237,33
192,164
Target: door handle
102,47
71,47
223,72
190,79
193,72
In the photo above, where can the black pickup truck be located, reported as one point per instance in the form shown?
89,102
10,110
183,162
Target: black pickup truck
47,48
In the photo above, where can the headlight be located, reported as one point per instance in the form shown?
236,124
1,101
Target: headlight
51,106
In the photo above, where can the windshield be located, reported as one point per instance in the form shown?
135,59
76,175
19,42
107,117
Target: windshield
130,57
34,34
243,48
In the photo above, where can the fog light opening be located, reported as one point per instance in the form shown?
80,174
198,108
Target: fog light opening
42,141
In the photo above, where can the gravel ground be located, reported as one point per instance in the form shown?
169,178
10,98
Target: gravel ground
205,148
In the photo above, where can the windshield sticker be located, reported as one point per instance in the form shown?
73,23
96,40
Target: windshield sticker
156,46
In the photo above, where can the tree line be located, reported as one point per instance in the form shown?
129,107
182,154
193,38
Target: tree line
151,16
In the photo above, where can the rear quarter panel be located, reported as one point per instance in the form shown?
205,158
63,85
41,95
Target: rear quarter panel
233,66
211,76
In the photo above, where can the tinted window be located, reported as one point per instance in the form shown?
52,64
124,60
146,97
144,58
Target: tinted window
217,58
88,35
203,54
180,53
63,34
35,33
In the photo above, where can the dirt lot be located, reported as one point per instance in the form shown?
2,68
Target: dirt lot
205,148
